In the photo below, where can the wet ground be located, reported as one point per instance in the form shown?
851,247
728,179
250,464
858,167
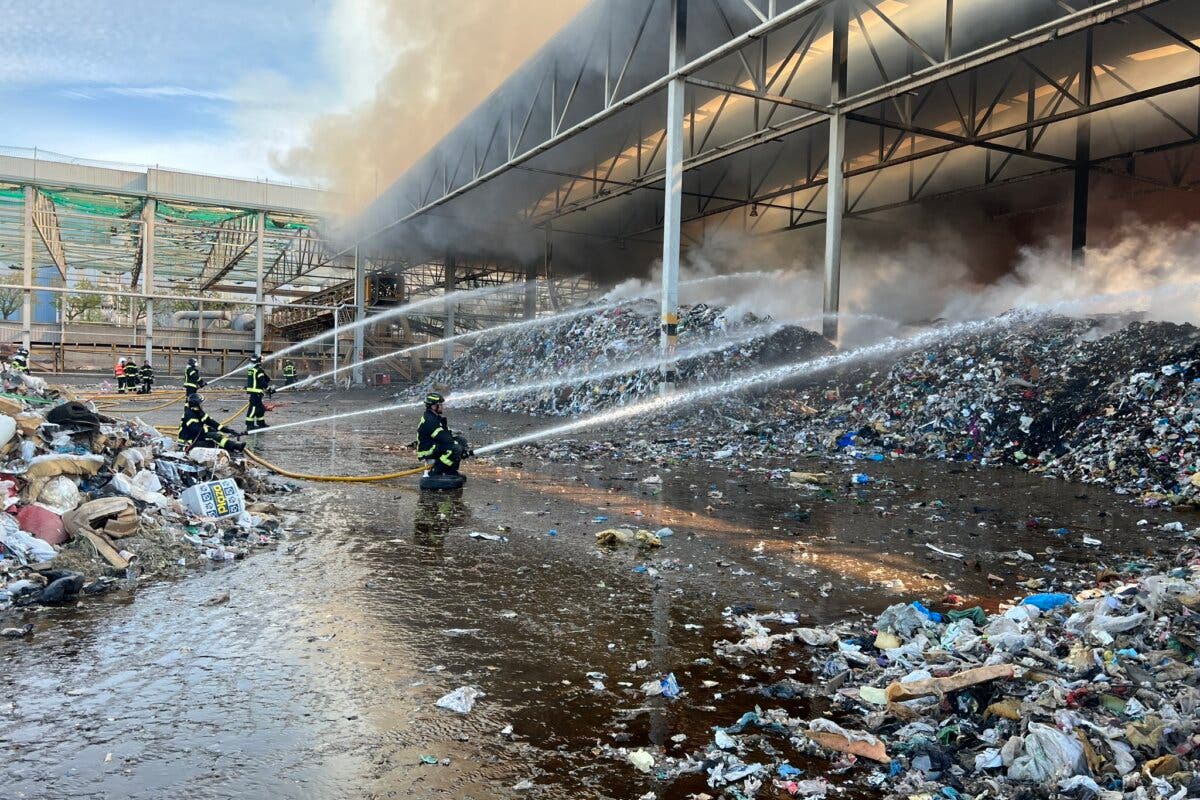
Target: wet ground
318,679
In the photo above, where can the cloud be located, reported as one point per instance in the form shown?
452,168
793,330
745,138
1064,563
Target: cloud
156,92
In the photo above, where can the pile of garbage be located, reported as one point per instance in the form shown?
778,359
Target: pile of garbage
1061,397
92,503
1088,693
724,343
1099,400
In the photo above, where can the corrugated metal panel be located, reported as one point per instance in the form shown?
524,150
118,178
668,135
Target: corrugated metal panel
73,175
235,192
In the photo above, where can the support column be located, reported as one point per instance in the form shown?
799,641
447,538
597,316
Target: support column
531,276
258,285
1083,157
673,189
360,314
27,262
448,327
148,274
835,194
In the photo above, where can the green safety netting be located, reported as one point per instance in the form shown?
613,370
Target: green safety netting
13,194
94,204
198,214
289,225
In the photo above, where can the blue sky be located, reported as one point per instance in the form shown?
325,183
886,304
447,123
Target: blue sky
208,85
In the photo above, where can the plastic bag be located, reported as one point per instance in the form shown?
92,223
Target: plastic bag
1047,602
28,549
60,494
461,699
901,619
1049,754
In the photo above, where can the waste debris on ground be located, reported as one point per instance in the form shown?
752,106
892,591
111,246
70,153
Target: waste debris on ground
96,503
626,333
1089,694
1107,399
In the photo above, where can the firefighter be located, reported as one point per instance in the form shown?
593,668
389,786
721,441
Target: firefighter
435,440
147,373
258,383
20,361
289,372
198,429
119,372
132,376
191,378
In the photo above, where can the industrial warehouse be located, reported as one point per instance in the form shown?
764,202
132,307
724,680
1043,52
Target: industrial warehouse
603,399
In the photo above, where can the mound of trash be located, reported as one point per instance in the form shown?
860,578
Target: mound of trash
1062,397
590,362
92,502
1089,693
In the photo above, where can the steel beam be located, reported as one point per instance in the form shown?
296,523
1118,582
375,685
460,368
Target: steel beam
673,188
233,241
360,314
1083,157
27,264
448,326
835,199
148,275
260,225
45,221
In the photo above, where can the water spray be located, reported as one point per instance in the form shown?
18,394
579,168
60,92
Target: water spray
399,311
787,372
506,327
616,370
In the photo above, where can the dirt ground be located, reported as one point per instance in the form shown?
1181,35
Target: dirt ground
318,679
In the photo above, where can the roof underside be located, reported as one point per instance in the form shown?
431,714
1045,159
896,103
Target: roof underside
942,97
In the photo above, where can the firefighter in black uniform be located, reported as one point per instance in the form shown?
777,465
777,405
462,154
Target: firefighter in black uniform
258,383
147,373
132,375
191,378
436,441
20,361
198,429
289,372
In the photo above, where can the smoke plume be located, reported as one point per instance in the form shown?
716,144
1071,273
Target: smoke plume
1145,268
449,56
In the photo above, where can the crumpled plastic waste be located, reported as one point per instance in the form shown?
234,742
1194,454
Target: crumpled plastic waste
461,700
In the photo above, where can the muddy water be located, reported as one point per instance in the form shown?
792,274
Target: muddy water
318,678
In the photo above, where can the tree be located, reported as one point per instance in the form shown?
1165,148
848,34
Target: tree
78,307
10,297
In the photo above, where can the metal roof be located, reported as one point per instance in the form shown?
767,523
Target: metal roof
942,96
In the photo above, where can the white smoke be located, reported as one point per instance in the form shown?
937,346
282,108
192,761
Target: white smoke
886,290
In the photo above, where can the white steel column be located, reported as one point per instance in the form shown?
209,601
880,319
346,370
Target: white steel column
448,328
360,314
835,196
27,297
673,188
148,274
258,286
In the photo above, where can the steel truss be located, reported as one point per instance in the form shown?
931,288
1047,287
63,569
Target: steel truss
934,98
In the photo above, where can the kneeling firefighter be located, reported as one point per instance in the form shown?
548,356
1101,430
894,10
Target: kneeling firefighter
198,429
435,440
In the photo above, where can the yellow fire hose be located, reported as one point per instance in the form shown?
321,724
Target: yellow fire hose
332,478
